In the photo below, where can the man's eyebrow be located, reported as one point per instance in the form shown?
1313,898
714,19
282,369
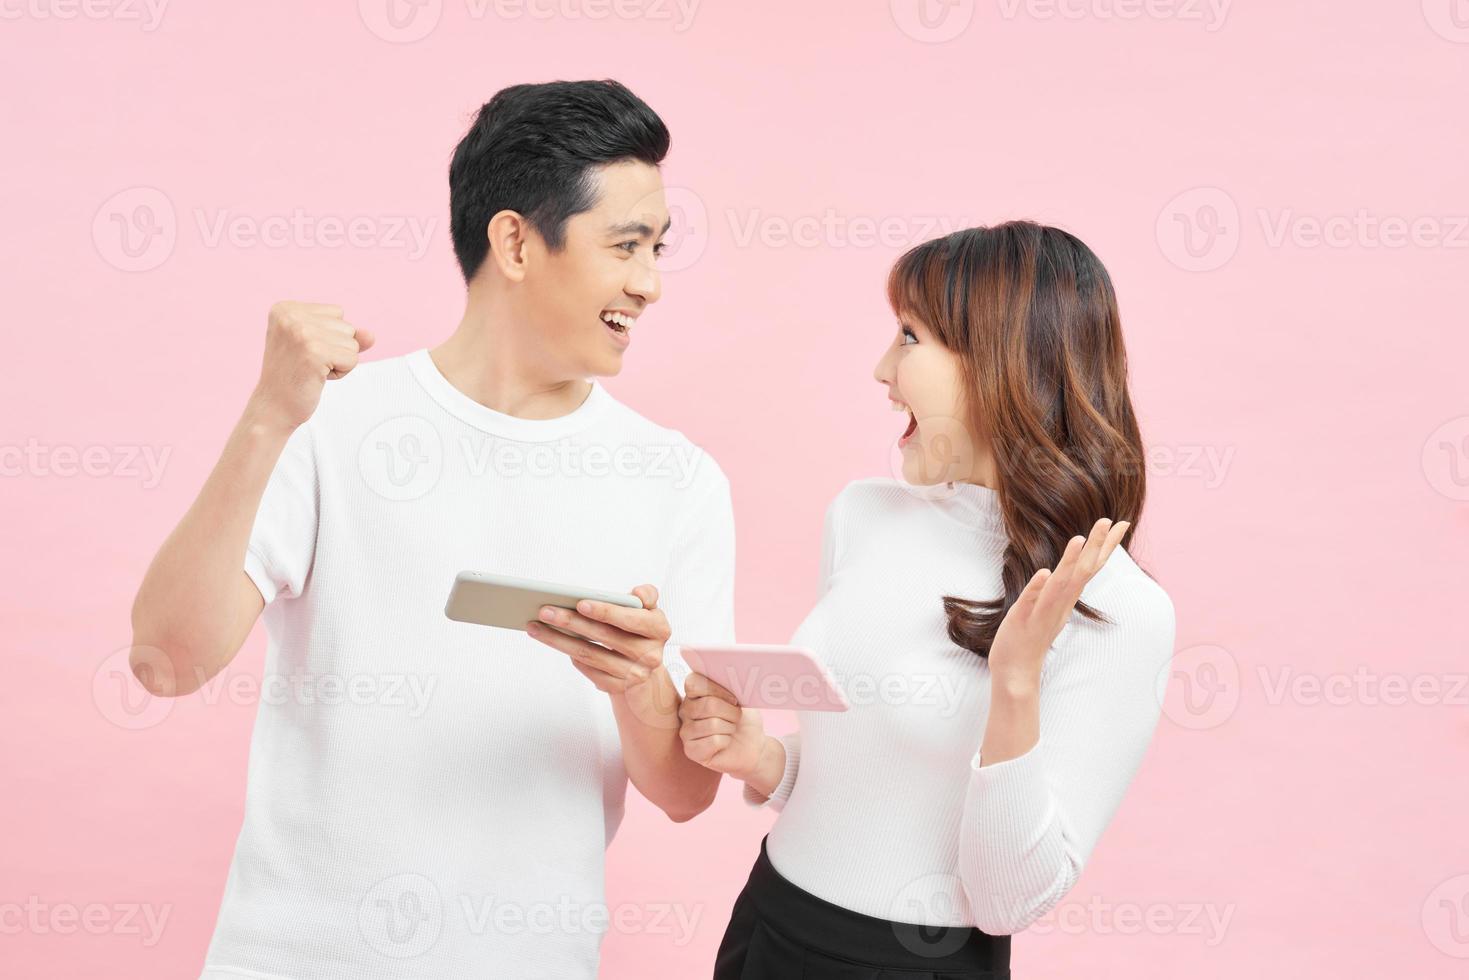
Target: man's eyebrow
639,229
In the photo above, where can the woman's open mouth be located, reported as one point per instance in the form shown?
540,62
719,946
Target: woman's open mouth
908,432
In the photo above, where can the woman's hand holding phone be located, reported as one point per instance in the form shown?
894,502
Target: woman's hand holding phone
720,735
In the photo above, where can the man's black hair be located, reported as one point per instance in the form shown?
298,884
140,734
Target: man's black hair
532,150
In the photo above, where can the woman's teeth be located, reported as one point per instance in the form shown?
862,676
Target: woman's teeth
619,321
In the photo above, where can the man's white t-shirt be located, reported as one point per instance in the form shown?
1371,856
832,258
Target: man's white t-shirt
429,798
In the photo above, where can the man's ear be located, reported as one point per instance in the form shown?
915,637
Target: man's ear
509,235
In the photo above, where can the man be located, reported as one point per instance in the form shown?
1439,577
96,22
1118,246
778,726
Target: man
429,798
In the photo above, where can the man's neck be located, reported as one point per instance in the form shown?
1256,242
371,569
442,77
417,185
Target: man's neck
492,362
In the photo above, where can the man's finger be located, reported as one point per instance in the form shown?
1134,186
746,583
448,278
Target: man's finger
589,628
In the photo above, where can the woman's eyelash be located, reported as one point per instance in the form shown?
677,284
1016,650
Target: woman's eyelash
908,332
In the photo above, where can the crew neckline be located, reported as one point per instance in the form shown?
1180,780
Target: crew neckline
460,405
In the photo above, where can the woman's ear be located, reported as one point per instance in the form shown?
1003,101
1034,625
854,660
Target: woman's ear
508,234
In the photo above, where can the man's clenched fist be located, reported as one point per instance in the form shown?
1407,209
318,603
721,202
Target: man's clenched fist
306,345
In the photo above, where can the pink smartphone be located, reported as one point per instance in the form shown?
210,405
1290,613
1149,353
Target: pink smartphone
768,676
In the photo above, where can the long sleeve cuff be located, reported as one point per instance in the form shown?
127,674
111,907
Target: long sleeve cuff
782,792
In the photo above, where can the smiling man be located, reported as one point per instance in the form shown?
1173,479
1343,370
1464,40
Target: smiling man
459,831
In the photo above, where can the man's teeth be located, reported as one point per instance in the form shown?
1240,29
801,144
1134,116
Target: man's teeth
619,320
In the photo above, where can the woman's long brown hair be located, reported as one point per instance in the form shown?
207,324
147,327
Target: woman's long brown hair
1032,315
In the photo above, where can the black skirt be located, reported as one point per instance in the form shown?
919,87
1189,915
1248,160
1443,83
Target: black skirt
778,931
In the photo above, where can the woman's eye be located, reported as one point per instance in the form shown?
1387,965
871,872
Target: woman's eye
909,335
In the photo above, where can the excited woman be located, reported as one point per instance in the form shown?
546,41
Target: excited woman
1013,661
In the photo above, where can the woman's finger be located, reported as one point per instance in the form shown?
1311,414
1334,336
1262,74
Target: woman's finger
706,748
1114,538
697,685
708,707
704,727
1025,603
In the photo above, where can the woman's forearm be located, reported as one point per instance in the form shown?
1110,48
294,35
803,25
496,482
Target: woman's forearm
769,767
1014,724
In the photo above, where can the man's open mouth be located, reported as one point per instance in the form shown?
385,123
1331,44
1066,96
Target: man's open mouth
619,323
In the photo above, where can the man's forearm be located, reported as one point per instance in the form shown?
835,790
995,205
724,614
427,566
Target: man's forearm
652,752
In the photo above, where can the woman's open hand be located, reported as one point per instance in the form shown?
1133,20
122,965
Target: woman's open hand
1047,601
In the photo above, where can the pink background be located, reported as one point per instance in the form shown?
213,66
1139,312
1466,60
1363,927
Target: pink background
1301,811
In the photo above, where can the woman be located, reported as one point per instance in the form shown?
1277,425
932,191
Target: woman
1004,708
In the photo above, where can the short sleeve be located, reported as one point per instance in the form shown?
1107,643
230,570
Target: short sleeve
283,539
698,596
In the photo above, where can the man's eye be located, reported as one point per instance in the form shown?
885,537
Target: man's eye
659,249
628,246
